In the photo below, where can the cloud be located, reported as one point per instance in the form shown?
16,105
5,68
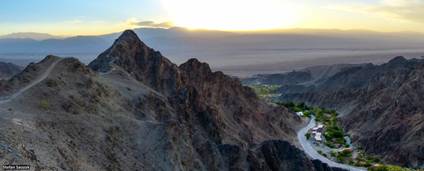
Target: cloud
151,24
410,10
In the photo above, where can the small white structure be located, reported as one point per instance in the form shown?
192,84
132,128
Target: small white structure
318,136
299,113
318,128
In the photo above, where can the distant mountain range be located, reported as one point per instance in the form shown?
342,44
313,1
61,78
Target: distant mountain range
255,51
29,35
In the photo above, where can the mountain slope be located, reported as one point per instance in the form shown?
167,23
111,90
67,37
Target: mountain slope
7,70
142,112
381,105
193,87
305,76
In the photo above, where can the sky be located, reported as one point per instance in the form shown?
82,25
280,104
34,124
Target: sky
93,17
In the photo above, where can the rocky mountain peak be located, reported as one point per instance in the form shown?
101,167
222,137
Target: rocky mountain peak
194,63
140,61
127,49
49,58
398,60
195,68
195,90
130,34
129,39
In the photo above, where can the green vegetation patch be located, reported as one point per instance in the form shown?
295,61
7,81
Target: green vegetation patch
344,155
363,160
298,107
333,133
308,135
264,90
44,104
388,168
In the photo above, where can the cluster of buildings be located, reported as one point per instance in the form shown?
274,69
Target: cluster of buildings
317,132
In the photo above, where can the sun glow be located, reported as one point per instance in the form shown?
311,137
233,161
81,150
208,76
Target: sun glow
233,14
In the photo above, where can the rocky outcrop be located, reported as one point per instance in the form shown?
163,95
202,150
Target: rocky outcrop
211,99
381,105
280,155
270,155
142,62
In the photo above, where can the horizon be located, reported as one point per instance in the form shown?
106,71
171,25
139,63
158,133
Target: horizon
234,55
98,17
266,31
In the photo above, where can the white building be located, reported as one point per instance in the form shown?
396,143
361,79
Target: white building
318,128
299,113
318,136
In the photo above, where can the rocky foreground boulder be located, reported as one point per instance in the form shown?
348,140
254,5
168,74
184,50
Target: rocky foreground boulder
132,109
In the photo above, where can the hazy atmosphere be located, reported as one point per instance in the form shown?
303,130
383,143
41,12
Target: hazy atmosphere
105,16
281,35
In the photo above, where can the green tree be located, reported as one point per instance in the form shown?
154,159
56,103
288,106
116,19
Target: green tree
44,104
308,135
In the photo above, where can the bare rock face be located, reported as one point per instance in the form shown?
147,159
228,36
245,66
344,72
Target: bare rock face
142,62
132,109
200,95
270,155
382,107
